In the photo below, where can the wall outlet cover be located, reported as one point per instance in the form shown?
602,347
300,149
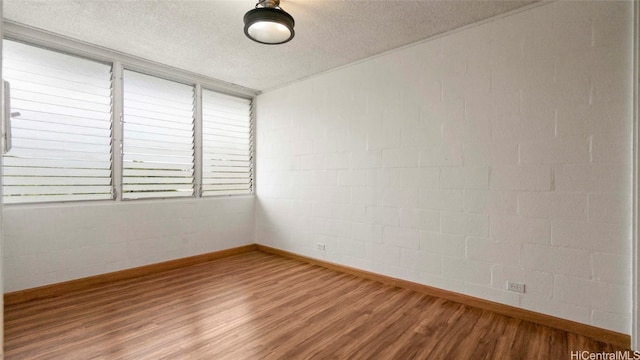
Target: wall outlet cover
514,286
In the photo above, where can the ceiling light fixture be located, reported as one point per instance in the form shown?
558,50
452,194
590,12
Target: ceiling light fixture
268,23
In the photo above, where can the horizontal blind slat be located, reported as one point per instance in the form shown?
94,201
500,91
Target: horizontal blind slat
66,163
31,198
223,181
55,180
227,175
44,171
154,129
96,120
158,180
52,154
140,194
163,187
42,190
219,192
145,166
62,128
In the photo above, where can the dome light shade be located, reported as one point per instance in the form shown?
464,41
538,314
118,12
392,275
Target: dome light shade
268,25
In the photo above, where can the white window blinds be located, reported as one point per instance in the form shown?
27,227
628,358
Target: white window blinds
226,144
158,137
62,139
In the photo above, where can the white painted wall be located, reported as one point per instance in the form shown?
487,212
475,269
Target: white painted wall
45,244
499,152
1,220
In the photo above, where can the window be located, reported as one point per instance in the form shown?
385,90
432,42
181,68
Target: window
62,138
158,141
170,139
226,144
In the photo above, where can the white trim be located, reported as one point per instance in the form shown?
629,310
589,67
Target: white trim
1,196
635,311
254,138
117,129
52,41
197,142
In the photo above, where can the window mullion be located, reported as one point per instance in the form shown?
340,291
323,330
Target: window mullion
252,147
198,141
117,133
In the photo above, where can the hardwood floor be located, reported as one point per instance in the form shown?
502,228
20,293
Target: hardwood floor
261,306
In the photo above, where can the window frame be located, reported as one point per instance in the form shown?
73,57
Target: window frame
108,116
119,63
251,140
193,140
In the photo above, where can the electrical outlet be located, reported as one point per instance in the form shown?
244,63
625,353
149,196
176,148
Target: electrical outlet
514,286
320,246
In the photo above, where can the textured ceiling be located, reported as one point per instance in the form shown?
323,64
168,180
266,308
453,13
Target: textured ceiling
206,36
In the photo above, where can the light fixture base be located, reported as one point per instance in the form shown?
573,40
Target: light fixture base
269,3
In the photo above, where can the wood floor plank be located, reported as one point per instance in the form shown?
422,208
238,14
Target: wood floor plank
262,306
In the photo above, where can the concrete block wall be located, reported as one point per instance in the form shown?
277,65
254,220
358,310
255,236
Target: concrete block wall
498,152
46,244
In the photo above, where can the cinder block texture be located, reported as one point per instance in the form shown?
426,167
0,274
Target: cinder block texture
498,152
